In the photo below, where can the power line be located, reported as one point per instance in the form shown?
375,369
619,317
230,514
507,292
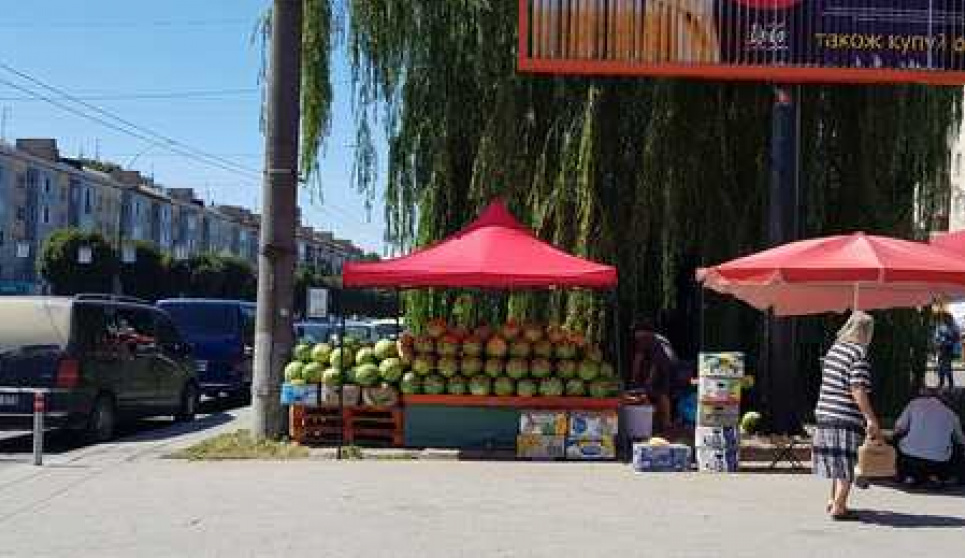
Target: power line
113,126
124,126
215,94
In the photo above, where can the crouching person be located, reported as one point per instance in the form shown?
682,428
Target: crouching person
928,432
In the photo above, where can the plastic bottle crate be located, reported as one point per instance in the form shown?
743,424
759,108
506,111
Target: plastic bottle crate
355,426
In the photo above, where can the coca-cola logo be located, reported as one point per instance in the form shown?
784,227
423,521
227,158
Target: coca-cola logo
769,4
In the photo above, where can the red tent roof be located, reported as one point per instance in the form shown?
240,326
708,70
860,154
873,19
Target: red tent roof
495,251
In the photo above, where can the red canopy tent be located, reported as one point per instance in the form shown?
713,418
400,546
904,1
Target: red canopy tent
495,252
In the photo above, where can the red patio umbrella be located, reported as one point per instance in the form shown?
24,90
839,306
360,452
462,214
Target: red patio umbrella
833,274
952,242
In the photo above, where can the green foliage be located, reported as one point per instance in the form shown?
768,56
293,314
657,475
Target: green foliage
213,276
147,276
656,176
58,263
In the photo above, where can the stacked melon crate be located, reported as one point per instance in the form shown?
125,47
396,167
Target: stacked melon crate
718,415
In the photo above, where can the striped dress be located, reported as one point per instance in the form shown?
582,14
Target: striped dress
840,423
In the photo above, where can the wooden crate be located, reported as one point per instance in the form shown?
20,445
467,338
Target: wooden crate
361,426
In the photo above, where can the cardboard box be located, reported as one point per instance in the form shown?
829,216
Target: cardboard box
593,424
537,447
718,414
722,437
305,395
719,390
669,458
726,365
716,460
351,397
543,423
591,450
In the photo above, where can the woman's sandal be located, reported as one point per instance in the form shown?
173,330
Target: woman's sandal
847,515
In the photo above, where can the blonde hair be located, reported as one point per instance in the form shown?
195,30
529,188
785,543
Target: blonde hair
859,329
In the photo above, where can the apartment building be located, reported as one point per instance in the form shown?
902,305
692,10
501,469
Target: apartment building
42,191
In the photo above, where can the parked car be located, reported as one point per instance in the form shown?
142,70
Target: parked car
221,334
101,359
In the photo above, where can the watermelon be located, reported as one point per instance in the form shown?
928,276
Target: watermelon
472,346
407,339
406,353
526,388
494,368
543,348
424,365
483,332
456,386
588,370
520,349
411,383
447,366
342,358
436,328
303,352
425,345
532,333
385,349
575,387
322,353
367,375
459,332
750,422
448,345
594,354
391,370
565,350
566,369
312,373
496,347
607,371
480,385
604,388
434,385
541,368
365,356
510,330
504,387
470,366
293,371
348,376
517,368
332,377
555,334
551,387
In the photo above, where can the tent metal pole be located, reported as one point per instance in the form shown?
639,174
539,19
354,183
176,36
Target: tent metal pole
341,389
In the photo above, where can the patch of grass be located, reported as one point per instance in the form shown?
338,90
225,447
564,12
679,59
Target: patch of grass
240,445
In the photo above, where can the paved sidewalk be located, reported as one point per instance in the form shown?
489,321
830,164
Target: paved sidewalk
160,507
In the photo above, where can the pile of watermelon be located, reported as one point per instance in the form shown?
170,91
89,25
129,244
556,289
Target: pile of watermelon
381,364
526,360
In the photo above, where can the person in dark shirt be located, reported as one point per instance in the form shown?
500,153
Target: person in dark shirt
652,370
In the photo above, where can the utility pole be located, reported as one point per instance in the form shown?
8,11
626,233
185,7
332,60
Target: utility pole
782,385
276,257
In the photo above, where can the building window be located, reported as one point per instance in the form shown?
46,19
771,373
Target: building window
88,207
47,185
46,216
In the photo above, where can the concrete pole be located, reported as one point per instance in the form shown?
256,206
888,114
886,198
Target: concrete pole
276,258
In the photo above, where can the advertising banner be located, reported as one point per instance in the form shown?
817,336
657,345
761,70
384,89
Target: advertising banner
845,41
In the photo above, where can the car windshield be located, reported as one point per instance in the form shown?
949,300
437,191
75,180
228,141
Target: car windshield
203,319
314,333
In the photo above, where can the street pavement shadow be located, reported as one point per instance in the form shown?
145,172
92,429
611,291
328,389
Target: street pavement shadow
153,431
909,520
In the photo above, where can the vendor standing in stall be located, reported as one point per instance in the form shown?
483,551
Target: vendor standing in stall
652,370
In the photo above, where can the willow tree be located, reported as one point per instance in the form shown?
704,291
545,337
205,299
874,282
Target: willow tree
654,176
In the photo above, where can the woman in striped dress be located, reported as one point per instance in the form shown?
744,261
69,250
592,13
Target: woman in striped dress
844,412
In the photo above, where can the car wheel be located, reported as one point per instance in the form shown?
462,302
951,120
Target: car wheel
189,404
103,419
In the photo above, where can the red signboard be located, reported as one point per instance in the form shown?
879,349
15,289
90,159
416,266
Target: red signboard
843,41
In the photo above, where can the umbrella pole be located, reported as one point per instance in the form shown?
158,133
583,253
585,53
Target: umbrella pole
854,302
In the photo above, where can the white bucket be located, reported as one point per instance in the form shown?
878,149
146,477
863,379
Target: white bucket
638,421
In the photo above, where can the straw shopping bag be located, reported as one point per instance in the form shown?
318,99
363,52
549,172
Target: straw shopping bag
876,459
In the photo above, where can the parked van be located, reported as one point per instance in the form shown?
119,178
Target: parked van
98,358
222,338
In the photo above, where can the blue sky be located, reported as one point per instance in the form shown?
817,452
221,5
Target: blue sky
194,67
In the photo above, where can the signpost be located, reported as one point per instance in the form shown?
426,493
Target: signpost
317,303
